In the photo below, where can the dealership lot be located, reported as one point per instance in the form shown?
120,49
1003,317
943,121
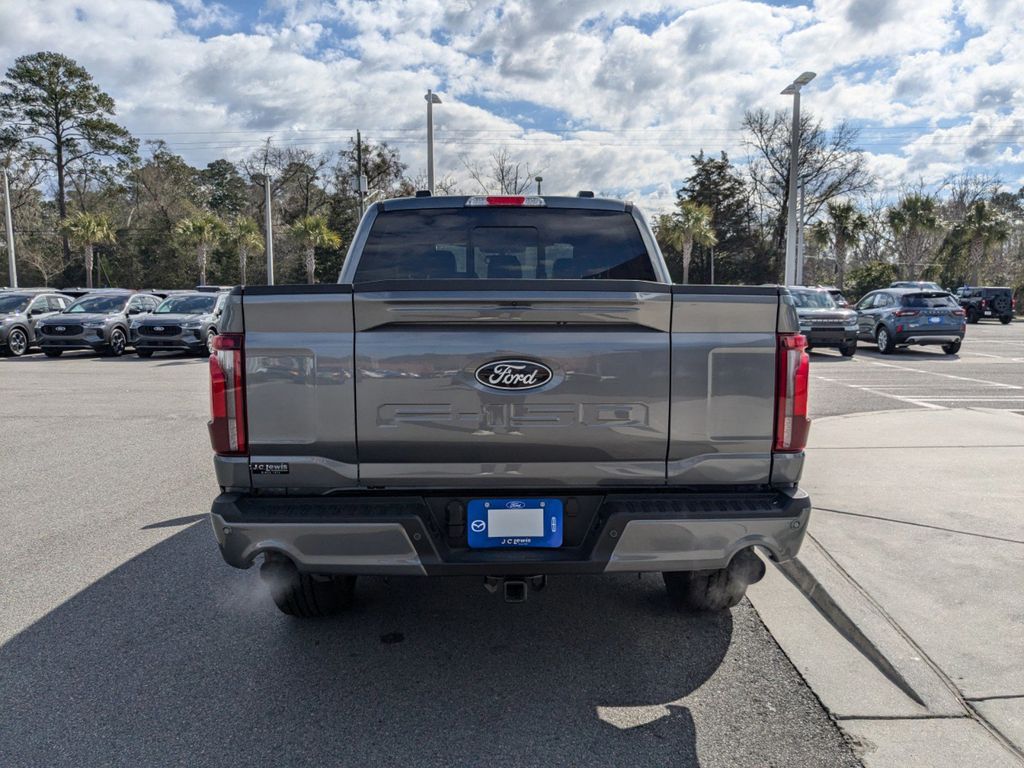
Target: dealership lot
987,373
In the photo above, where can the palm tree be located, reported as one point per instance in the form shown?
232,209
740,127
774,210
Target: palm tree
85,231
843,228
692,224
914,222
201,231
312,232
981,228
247,238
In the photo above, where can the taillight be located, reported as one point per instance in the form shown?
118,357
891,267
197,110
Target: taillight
984,303
959,313
793,367
227,395
906,313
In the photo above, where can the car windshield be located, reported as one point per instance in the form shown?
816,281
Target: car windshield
504,243
11,304
187,305
813,299
927,300
100,305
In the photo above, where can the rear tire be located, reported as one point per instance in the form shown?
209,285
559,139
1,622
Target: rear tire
53,352
714,590
848,350
972,316
1006,319
951,349
306,595
144,352
884,341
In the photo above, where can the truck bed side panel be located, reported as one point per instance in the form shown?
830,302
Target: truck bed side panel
300,387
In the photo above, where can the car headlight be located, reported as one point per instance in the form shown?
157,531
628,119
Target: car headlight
135,325
192,324
94,323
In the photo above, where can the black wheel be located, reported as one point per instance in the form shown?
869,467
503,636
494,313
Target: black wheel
306,595
53,352
1006,319
117,343
715,590
17,342
972,316
808,348
848,350
884,341
144,352
952,348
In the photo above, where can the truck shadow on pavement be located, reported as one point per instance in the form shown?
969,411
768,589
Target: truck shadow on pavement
175,658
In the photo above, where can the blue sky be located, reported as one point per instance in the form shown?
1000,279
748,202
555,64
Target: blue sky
601,94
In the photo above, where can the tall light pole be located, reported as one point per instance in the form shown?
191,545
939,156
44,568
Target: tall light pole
11,266
793,89
800,238
268,219
538,179
432,99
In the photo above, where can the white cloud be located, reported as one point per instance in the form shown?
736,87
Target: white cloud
646,83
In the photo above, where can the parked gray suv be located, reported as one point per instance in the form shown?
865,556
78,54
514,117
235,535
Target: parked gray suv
183,322
21,311
823,322
97,321
900,317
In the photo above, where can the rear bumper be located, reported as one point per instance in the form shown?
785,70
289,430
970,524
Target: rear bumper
621,532
928,337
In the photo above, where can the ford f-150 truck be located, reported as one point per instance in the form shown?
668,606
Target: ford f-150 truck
509,387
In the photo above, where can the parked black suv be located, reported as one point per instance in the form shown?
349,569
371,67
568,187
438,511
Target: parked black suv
980,302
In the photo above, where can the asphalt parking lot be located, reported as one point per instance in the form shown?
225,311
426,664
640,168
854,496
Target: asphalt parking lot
988,372
127,641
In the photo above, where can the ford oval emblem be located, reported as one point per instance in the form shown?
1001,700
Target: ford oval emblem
513,374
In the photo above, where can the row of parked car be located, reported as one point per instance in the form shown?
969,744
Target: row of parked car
109,321
904,314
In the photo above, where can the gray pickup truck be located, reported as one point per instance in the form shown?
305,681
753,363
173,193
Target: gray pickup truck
507,387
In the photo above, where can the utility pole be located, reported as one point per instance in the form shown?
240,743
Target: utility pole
268,218
432,99
793,89
11,266
800,241
360,183
712,265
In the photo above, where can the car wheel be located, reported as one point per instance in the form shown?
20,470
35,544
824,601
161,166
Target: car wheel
1006,319
53,352
306,595
714,590
17,343
848,350
952,348
972,316
210,336
884,341
144,352
117,343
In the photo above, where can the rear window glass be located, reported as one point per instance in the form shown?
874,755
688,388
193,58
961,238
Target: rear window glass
928,300
504,243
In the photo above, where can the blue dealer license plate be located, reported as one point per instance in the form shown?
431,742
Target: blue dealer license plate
514,523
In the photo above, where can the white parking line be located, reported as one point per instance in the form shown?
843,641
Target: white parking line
890,395
1019,398
943,375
